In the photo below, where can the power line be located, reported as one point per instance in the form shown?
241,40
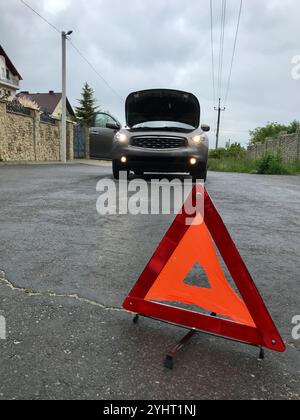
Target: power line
221,58
221,55
74,46
220,72
212,49
234,51
95,70
222,51
42,17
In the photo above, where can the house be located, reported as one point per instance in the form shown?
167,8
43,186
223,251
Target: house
50,102
9,76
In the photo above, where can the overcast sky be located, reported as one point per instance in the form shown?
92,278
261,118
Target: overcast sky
140,44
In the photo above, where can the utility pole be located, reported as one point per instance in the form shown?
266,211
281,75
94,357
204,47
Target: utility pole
219,109
63,144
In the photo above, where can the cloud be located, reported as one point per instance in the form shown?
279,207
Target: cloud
55,6
139,44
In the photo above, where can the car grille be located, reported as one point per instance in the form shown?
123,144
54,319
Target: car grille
159,143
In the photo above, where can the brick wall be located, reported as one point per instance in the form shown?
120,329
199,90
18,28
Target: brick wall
287,145
27,138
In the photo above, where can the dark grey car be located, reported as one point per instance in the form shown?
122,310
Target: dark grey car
163,135
102,135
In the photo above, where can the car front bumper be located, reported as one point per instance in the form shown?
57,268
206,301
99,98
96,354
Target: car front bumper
171,160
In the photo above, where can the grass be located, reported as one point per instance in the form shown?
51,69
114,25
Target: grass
294,168
268,165
232,165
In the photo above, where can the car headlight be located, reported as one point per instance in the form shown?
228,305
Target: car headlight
199,139
121,138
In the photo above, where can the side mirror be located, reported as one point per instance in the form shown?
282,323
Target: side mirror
112,126
205,128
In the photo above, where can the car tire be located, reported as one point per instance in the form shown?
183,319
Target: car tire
200,173
117,168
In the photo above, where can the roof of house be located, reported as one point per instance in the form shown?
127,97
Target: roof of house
47,101
10,64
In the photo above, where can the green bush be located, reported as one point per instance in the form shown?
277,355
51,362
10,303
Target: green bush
272,165
272,130
234,158
217,153
235,150
269,165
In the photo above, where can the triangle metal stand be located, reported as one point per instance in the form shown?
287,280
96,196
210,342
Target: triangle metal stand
173,352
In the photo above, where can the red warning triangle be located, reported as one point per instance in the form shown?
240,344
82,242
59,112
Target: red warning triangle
243,317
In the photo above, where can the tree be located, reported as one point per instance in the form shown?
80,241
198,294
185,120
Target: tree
234,150
272,130
85,112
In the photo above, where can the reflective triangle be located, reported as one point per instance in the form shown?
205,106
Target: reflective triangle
163,281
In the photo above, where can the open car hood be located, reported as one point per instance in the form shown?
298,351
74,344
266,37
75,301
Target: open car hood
162,105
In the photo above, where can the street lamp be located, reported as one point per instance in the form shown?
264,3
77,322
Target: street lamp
63,147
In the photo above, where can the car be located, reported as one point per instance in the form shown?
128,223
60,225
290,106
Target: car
162,135
102,135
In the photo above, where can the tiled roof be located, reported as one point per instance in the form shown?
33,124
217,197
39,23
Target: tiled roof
47,101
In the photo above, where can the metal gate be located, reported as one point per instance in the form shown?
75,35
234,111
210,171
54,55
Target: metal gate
79,142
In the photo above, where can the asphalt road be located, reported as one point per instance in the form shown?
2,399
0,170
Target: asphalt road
68,270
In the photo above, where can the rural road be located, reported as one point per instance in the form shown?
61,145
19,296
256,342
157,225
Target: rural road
67,271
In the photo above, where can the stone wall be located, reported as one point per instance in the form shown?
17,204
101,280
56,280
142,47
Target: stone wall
287,145
48,144
27,138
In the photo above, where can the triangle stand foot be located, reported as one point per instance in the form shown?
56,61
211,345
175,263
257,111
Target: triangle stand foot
169,360
262,354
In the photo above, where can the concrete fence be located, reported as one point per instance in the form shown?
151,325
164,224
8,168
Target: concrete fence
287,145
25,137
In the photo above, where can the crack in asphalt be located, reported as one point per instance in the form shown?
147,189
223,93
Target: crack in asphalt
32,293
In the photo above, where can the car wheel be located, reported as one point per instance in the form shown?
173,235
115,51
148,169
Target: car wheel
117,168
200,173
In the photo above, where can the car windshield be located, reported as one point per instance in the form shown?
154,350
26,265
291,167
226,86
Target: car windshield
163,125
